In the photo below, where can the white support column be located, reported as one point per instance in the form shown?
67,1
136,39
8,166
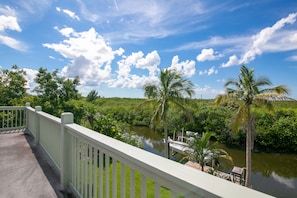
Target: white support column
66,170
37,125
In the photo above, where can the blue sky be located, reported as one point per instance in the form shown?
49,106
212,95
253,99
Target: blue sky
115,46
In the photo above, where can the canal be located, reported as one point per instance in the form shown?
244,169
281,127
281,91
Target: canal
272,173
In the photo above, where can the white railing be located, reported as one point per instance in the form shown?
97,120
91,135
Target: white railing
12,118
94,165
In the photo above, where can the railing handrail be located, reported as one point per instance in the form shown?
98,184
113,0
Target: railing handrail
12,108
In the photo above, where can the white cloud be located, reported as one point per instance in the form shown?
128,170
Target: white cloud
236,42
233,60
35,7
208,55
9,21
90,56
30,76
292,58
221,80
206,92
209,72
13,43
126,79
66,31
68,13
186,68
261,39
139,20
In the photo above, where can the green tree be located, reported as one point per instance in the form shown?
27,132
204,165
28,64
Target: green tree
68,89
246,92
53,91
12,85
204,150
93,95
171,90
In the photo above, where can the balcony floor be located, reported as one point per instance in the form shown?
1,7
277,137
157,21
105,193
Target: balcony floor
23,170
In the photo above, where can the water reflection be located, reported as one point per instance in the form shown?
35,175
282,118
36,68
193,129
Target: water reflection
287,182
274,174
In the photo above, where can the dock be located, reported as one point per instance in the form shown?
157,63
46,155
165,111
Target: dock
236,176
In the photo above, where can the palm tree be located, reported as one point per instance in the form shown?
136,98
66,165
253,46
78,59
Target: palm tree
170,90
246,92
203,150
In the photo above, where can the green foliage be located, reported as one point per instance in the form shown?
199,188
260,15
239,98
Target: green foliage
12,85
204,150
277,132
93,95
54,91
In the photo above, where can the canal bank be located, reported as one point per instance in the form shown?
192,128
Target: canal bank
274,174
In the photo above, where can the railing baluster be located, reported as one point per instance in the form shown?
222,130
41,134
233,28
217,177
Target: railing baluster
95,171
156,190
3,119
16,119
132,183
79,168
107,174
123,180
101,174
174,194
74,161
85,169
143,186
90,170
114,178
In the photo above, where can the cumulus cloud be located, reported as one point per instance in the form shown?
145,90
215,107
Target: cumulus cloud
68,13
186,68
209,71
126,79
65,31
233,60
89,54
208,55
9,21
30,76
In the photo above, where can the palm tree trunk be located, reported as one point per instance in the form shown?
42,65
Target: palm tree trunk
166,141
248,159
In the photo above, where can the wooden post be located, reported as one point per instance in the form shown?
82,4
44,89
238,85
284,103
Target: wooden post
66,118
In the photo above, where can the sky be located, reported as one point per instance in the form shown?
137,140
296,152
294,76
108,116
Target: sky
116,46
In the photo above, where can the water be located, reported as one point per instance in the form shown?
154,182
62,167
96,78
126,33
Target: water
274,174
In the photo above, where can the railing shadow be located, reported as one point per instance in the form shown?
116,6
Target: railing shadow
48,169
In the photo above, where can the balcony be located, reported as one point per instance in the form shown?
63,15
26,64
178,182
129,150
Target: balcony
70,158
